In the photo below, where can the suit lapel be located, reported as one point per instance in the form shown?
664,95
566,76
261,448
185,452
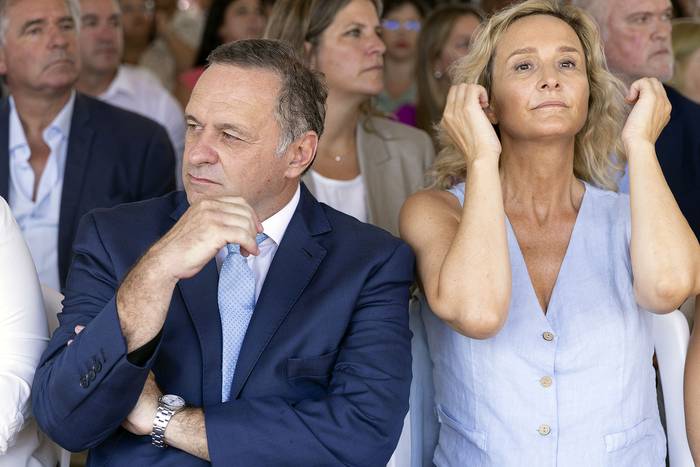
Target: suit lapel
372,153
5,149
199,294
77,160
294,265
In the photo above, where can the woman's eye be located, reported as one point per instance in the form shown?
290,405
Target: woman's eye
354,33
568,64
523,67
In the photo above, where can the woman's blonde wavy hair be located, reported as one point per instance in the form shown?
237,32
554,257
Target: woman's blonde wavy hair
598,154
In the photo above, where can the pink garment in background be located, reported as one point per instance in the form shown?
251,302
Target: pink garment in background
406,114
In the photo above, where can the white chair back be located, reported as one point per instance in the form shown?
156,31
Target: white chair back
402,454
671,336
53,306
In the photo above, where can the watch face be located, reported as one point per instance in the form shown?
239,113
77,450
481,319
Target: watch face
173,401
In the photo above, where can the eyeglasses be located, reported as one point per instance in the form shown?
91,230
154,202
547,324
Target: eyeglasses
394,25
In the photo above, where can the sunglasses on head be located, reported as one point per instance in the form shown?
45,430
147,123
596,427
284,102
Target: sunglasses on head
395,25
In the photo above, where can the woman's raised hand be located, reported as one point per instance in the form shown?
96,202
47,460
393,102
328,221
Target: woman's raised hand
467,125
650,114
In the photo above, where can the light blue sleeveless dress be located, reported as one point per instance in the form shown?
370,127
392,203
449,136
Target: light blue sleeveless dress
574,387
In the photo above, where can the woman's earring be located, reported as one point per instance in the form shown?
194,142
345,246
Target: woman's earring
437,74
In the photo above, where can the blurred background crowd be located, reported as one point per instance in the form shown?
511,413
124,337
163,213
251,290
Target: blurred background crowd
380,139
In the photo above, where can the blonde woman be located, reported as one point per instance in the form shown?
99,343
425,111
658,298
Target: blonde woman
538,273
366,166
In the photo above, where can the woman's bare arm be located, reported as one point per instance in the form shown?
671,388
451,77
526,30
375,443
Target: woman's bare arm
665,253
462,253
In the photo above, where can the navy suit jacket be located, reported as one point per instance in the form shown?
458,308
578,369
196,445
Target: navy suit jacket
114,156
323,375
678,151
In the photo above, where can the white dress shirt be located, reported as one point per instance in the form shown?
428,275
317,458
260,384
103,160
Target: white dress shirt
274,227
138,90
38,218
23,338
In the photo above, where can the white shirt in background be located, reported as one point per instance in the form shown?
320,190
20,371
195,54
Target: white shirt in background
39,218
348,196
138,90
23,337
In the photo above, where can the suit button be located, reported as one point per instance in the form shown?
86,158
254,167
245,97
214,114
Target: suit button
97,367
546,381
84,383
548,336
91,375
544,430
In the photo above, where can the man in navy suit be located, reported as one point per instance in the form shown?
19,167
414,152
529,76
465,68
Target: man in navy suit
638,44
323,371
62,153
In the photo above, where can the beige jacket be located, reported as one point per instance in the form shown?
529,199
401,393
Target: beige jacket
393,160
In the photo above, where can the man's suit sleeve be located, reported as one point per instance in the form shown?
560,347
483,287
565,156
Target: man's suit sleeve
83,391
359,421
158,166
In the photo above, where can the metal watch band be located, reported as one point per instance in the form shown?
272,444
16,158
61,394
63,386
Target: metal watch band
160,423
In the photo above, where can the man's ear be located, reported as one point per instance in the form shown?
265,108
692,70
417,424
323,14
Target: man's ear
300,154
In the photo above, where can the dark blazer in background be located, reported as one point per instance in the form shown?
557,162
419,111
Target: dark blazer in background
323,375
114,156
678,150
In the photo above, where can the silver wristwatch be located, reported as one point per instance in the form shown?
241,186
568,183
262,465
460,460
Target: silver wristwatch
168,405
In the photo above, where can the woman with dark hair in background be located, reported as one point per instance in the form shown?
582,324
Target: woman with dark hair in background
227,21
365,166
445,37
401,23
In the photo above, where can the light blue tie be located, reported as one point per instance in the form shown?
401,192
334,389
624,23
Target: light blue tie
236,304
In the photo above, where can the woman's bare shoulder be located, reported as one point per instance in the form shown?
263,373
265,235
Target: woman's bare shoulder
430,210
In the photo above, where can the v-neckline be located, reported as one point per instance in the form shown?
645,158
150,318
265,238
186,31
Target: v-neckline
562,267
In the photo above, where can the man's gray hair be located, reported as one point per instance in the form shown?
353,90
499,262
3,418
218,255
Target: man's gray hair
301,102
73,8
